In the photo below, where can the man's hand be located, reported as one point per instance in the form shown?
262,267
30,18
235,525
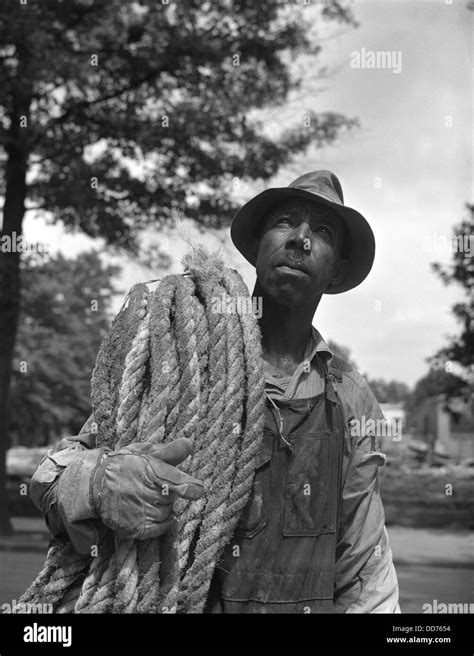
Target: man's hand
133,489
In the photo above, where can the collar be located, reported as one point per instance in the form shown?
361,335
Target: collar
317,346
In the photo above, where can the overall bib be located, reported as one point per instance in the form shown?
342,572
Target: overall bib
281,558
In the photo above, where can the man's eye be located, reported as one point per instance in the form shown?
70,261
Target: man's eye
284,220
323,229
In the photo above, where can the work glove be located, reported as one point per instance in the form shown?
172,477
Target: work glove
133,489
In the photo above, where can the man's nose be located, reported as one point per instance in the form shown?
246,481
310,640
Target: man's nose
300,237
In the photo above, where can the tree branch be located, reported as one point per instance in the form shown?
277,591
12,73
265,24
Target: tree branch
35,208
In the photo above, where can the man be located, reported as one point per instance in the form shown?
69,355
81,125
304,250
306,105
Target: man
312,536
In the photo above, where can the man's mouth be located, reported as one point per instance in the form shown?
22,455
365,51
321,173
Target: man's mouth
291,268
293,265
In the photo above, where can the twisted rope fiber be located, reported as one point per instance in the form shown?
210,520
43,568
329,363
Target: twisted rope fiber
91,591
187,314
184,531
204,460
171,366
62,567
251,429
164,376
226,446
124,562
100,587
203,464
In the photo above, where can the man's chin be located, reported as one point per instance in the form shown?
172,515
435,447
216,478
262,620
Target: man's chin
289,291
290,295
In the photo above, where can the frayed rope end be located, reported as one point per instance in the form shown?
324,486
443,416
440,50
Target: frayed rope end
202,264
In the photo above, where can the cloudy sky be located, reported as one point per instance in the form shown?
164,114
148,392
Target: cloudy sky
408,169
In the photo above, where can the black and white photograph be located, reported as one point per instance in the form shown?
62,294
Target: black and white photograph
236,323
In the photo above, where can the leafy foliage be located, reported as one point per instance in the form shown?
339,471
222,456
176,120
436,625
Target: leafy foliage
461,271
65,310
392,391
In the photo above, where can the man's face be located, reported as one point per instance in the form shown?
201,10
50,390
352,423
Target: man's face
299,253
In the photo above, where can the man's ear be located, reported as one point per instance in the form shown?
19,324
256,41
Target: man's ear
342,267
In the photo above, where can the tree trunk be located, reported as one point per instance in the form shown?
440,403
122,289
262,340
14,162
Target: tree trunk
13,212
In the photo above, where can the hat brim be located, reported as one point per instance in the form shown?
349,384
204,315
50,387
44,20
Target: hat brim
247,220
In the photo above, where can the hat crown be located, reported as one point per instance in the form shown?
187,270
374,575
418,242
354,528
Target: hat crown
322,183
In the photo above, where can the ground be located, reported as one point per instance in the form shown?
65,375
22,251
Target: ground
432,564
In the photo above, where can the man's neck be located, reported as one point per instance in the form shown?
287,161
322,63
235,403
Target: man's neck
285,331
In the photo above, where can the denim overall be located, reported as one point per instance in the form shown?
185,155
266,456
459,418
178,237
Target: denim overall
281,558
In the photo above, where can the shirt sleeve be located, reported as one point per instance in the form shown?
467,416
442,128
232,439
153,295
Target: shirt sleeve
366,581
62,493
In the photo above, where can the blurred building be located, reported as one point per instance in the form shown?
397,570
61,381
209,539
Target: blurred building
394,414
447,423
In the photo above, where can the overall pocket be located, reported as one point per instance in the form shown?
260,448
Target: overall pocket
311,485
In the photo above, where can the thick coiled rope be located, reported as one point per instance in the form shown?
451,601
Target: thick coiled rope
177,362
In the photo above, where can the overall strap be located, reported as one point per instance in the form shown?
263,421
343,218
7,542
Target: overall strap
333,379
